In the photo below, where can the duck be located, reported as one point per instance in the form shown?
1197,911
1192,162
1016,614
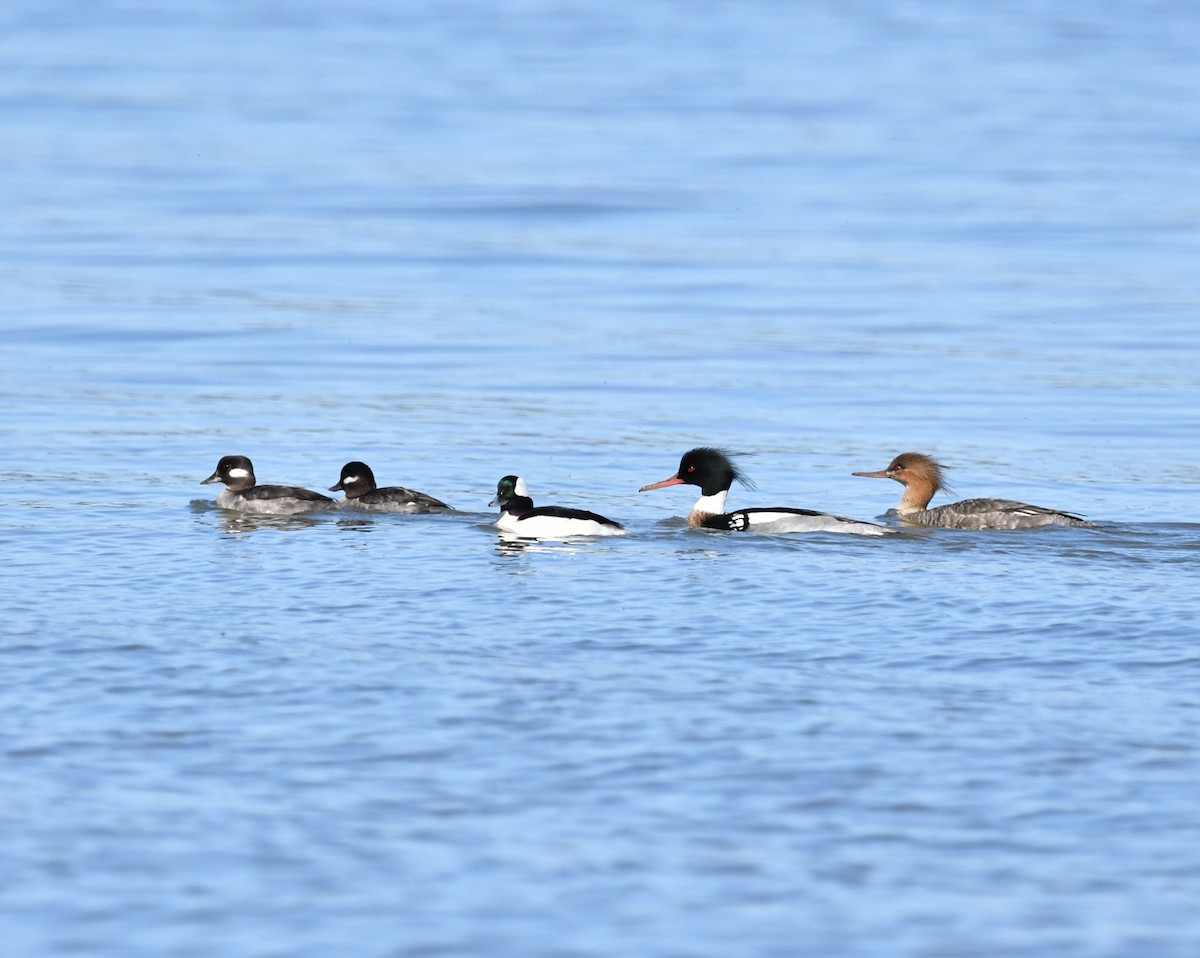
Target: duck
357,481
519,516
922,478
714,471
242,493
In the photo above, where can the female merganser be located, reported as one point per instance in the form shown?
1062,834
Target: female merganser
518,516
712,470
242,494
922,479
358,482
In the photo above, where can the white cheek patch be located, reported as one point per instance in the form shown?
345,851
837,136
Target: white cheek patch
519,488
238,473
352,479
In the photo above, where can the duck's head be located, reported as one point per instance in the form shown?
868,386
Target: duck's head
509,489
710,469
235,471
911,468
356,479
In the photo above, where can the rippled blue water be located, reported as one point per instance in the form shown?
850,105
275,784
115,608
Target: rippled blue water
571,241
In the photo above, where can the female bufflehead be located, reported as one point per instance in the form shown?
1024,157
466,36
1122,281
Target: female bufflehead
714,472
922,478
518,516
243,495
358,482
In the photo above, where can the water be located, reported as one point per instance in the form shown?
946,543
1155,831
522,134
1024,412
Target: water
572,241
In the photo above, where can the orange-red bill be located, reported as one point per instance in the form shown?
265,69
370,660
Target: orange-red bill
882,474
673,481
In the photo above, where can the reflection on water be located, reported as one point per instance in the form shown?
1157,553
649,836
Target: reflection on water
239,523
508,543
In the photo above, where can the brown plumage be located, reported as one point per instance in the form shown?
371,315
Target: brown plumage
922,479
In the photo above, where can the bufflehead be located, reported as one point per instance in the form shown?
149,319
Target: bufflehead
519,516
358,482
242,494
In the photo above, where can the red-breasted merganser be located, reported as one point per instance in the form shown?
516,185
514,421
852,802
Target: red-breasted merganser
243,494
712,470
519,516
922,479
358,482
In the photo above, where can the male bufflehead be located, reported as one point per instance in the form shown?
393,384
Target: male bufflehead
519,516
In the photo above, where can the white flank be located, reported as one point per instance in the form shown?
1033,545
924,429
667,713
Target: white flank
554,527
791,522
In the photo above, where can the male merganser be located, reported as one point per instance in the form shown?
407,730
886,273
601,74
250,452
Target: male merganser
922,478
518,515
712,470
242,494
358,482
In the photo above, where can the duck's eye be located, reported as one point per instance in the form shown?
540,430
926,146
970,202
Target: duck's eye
691,468
897,469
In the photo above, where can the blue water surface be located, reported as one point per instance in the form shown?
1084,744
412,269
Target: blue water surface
571,241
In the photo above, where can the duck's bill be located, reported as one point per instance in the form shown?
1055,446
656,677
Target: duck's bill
673,481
